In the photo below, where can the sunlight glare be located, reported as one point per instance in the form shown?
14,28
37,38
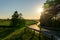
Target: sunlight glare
40,10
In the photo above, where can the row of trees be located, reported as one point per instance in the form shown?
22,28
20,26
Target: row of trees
51,15
17,20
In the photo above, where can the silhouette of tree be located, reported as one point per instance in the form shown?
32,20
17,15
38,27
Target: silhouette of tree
17,20
20,16
14,20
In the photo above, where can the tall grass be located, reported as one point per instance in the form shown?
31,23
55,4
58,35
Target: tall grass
22,34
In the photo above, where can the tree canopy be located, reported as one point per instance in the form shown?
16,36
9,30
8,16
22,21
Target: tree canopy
49,16
17,20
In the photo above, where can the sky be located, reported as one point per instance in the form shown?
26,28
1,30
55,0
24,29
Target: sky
28,8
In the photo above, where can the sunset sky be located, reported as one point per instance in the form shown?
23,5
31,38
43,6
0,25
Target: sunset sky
28,8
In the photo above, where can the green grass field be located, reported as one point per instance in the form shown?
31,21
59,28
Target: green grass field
15,33
22,33
30,22
5,31
7,23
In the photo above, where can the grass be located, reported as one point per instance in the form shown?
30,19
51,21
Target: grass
4,32
22,34
5,23
30,22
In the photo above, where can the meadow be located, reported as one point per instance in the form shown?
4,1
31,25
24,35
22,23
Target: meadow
11,33
7,22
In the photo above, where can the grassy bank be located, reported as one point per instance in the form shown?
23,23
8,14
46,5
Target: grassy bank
18,33
13,33
22,34
5,32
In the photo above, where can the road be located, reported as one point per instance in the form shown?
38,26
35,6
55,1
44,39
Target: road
46,32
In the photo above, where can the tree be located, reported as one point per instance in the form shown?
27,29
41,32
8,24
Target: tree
21,20
20,16
14,20
17,20
51,9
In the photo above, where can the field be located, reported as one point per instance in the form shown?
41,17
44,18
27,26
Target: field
7,22
30,22
23,33
4,32
4,23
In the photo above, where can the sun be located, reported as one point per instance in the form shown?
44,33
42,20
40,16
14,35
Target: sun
39,10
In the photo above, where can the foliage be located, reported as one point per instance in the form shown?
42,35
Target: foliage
17,20
14,20
51,9
6,23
